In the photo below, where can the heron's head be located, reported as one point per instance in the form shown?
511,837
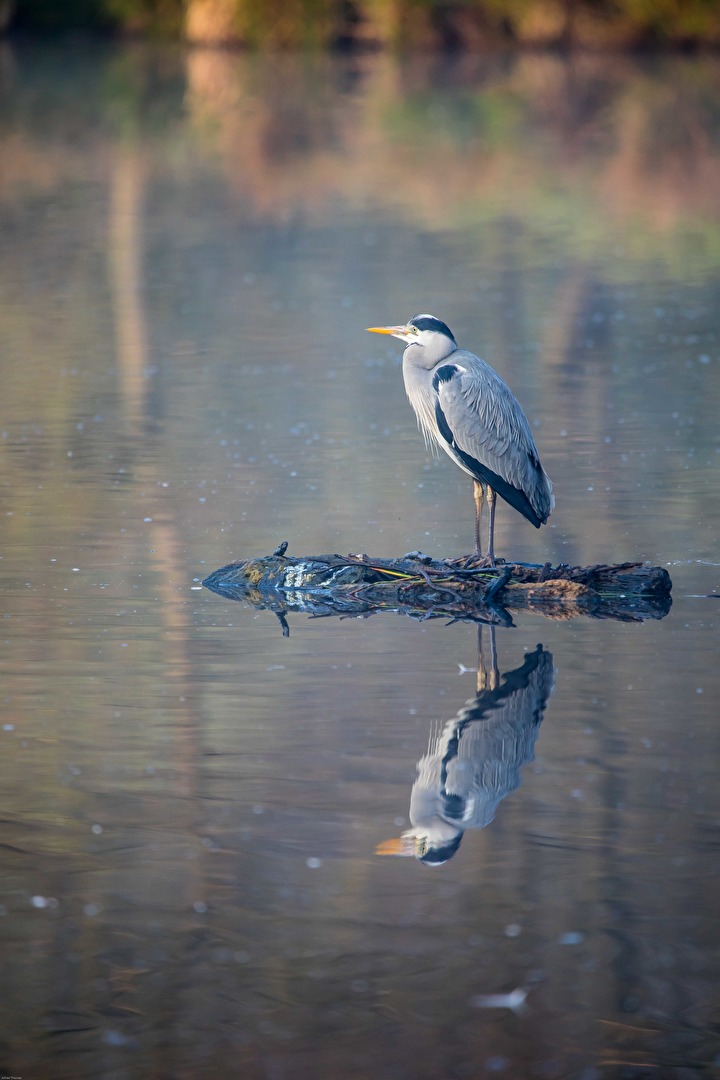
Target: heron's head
424,846
425,331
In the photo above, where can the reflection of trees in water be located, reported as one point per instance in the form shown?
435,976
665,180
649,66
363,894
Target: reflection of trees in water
438,137
433,137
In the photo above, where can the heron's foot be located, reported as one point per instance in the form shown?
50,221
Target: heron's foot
494,560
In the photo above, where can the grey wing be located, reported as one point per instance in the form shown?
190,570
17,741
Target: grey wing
497,736
490,437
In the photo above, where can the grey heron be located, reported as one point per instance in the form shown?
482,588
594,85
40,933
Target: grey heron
475,761
463,406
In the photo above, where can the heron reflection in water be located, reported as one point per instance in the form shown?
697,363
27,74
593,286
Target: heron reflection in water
475,761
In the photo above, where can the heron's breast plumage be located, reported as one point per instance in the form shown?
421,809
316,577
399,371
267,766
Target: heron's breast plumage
422,397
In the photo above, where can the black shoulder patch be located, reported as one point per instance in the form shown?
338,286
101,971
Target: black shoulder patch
444,374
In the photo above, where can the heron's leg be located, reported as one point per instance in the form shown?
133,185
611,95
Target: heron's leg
488,676
479,495
491,497
494,673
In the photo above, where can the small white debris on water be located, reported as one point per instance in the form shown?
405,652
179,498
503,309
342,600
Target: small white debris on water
515,1000
44,901
573,937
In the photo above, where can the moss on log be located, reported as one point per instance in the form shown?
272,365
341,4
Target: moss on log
459,588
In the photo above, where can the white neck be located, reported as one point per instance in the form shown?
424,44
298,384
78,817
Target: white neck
426,355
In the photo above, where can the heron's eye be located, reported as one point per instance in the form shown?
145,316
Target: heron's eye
422,844
412,329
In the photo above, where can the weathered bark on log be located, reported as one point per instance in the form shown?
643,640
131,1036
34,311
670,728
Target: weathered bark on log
460,588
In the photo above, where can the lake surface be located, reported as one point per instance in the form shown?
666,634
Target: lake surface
191,247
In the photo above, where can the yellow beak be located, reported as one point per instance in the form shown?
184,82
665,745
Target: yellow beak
401,846
386,329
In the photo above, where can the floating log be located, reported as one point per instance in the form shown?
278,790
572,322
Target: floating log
459,588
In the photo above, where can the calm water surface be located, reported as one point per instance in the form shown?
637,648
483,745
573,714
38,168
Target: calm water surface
191,247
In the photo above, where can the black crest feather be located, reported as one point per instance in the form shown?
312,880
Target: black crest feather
429,322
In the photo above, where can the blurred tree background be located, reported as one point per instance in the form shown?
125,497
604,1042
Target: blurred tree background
447,24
